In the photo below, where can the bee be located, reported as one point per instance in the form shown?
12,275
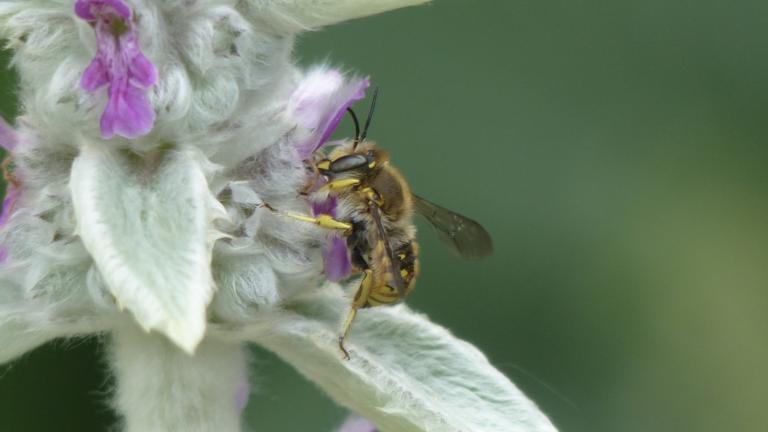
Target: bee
374,212
375,200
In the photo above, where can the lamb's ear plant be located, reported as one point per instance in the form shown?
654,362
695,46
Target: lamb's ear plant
152,131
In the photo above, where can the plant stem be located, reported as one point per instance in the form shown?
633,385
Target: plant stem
161,388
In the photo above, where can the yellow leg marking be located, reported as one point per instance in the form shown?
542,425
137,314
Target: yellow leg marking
361,298
340,184
323,220
372,195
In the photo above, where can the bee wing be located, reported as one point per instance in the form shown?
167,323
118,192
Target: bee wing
382,247
460,233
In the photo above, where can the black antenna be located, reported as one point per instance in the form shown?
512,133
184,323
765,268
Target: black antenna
357,124
370,115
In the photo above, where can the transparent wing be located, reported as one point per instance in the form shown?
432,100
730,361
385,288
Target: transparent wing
460,233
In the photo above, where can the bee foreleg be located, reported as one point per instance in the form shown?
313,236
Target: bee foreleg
340,184
360,300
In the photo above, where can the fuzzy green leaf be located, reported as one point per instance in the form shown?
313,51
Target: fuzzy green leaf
146,223
406,374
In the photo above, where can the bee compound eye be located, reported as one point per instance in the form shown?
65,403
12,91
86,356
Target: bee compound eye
348,163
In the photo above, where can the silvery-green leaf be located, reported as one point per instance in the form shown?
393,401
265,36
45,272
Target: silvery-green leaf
245,283
145,221
57,306
26,325
405,373
318,13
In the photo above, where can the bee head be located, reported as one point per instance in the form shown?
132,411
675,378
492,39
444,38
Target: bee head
364,158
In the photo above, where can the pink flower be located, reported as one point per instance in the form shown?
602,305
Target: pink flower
120,65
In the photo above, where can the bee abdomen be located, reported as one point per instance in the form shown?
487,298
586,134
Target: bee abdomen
408,258
408,267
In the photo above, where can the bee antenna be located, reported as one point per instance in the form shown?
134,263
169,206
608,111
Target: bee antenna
370,115
357,124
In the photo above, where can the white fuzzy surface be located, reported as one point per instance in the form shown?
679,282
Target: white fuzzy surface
148,225
170,227
405,374
226,75
162,389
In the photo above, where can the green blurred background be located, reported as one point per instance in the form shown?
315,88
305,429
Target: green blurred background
617,153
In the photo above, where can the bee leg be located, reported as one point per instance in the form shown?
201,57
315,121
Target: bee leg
322,220
360,300
340,184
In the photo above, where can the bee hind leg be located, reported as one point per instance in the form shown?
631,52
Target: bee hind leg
360,300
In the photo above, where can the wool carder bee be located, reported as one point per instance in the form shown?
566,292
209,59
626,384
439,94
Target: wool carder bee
373,208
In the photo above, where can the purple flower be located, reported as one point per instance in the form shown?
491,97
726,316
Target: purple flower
319,104
335,253
120,65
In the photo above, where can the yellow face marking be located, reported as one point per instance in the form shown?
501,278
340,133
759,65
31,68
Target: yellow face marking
372,165
324,164
404,273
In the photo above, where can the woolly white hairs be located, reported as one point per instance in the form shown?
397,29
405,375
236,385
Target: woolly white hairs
163,232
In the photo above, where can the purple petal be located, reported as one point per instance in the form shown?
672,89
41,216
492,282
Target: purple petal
325,207
89,10
120,65
12,194
312,93
352,93
336,259
319,103
337,264
94,76
128,112
8,138
357,424
143,73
